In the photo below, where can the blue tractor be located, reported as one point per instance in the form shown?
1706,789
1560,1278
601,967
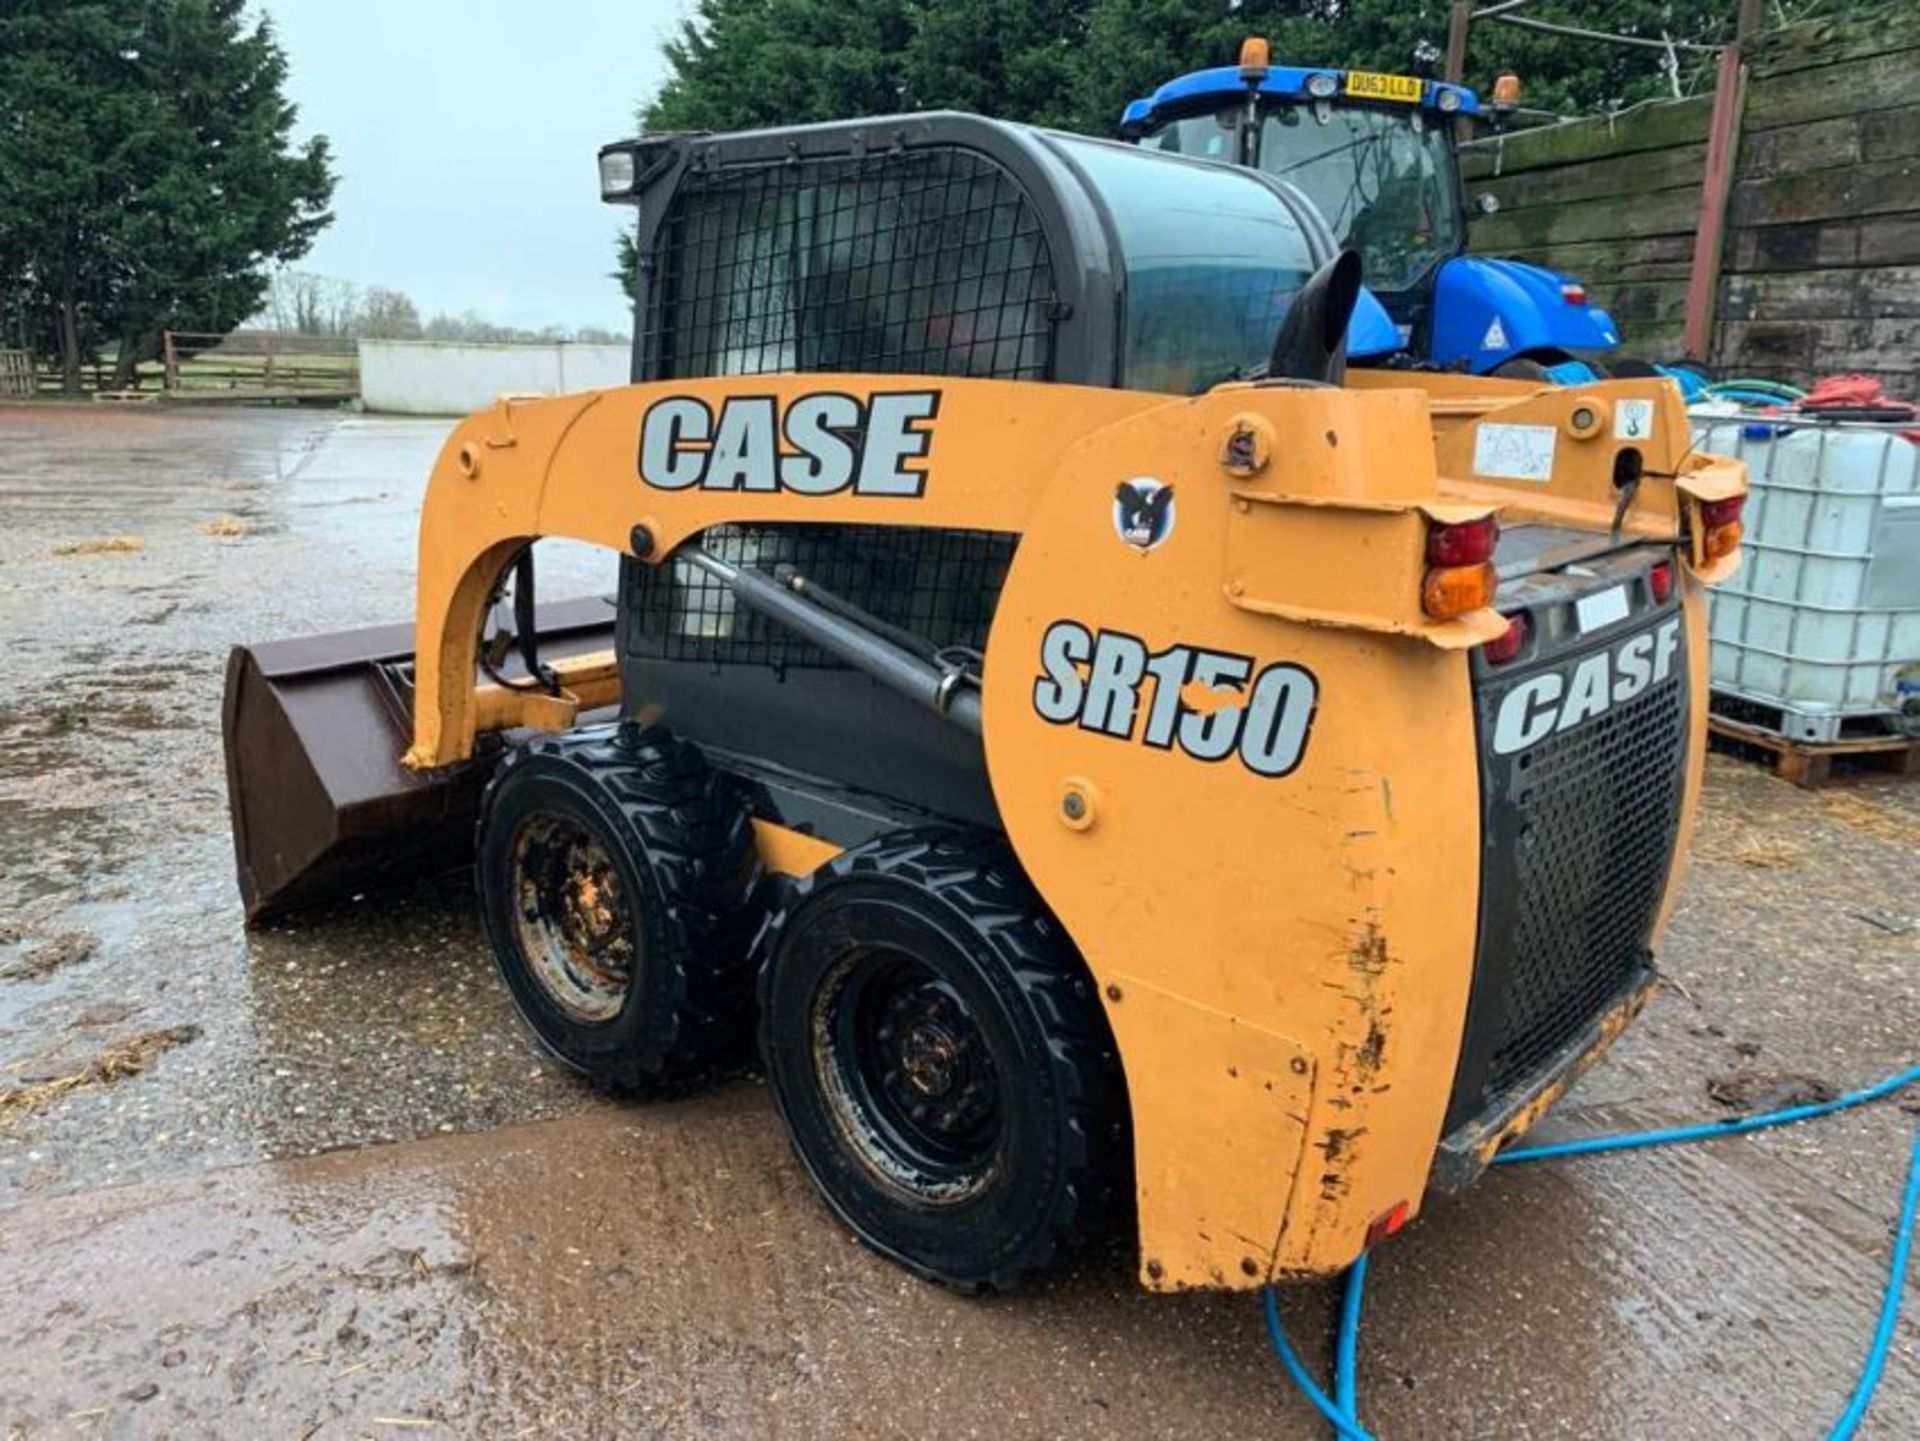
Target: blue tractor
1375,153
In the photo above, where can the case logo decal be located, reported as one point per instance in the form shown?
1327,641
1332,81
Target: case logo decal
824,443
1143,512
1559,700
1210,704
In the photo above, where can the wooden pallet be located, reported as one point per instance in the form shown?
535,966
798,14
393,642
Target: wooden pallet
1810,763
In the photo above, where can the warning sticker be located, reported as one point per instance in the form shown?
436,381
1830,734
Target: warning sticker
1496,336
1514,452
1632,419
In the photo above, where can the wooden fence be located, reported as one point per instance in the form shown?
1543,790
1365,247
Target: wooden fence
259,365
1820,266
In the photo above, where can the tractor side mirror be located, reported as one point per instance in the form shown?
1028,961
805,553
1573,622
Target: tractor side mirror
1312,342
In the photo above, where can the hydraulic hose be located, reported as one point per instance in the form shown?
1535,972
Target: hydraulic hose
1344,1426
1876,1366
1341,1410
1346,1353
1733,1126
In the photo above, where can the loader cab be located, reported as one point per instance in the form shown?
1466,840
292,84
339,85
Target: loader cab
1375,153
930,245
955,245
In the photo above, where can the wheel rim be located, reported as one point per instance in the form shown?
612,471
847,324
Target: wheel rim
908,1075
571,918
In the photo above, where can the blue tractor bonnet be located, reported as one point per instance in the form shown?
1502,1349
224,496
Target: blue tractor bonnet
1487,311
1370,330
1225,84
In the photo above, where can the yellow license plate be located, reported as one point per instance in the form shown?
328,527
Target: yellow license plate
1365,85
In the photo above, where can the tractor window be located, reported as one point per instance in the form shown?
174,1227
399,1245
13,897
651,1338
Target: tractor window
1212,259
928,262
1384,179
1212,136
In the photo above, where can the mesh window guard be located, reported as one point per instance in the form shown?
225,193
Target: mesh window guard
928,261
938,584
920,262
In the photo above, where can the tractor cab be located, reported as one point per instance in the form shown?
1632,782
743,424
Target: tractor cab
1375,154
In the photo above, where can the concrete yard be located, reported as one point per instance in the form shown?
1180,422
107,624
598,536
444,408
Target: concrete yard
314,1181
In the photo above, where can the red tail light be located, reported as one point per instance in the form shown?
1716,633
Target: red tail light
1716,513
1503,648
1574,294
1469,543
1660,579
1720,527
1388,1223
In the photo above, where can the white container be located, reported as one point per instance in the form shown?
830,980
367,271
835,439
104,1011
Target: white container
1823,620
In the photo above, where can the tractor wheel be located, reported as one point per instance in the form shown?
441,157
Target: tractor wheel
1521,368
940,1059
617,875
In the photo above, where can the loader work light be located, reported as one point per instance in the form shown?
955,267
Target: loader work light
1448,101
617,175
1321,85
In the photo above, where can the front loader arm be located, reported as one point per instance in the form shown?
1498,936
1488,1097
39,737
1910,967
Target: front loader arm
571,468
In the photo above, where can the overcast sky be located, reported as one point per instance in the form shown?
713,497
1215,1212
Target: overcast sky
464,133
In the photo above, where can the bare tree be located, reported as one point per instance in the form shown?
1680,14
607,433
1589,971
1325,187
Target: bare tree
308,304
388,315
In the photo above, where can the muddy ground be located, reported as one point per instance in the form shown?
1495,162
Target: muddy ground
313,1182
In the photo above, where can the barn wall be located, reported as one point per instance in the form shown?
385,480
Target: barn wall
424,377
1820,271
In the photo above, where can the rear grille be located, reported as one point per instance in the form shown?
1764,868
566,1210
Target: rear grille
1579,834
1600,803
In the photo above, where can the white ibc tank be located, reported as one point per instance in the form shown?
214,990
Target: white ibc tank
1823,620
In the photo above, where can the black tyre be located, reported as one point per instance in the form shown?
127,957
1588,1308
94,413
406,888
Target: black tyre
1521,368
940,1059
617,875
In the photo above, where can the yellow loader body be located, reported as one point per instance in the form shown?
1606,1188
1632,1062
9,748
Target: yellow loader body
1285,958
1104,740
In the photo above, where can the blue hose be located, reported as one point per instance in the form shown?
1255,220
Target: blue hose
1732,1126
1876,1366
1346,1355
1342,1409
1345,1427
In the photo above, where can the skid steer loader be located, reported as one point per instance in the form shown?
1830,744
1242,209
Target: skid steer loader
1112,757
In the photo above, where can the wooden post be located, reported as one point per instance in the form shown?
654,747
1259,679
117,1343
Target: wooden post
1716,188
1454,67
169,363
1457,23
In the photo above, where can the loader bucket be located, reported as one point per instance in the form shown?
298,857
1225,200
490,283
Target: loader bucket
314,730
